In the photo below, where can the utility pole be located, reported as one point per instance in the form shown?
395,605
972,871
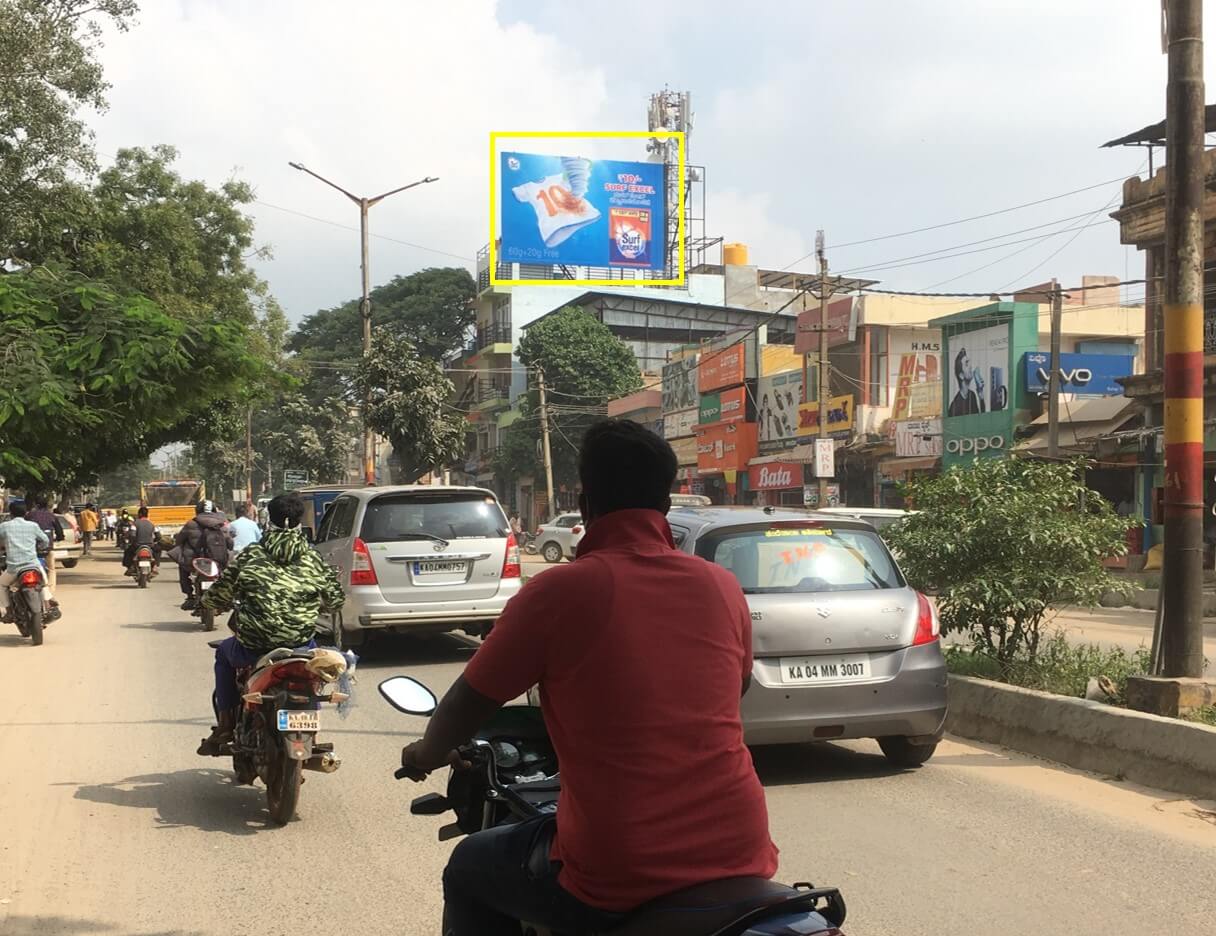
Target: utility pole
1053,382
825,383
544,441
1182,627
365,302
249,454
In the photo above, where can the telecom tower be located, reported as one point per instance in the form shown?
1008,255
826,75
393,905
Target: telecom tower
672,110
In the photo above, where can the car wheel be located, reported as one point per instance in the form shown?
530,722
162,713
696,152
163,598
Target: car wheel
69,563
552,552
903,753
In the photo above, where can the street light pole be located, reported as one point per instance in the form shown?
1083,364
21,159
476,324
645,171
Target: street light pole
365,301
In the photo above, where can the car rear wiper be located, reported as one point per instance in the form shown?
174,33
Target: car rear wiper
423,536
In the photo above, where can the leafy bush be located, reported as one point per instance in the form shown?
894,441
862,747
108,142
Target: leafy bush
1059,666
1003,540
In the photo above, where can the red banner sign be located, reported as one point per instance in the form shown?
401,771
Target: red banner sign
774,476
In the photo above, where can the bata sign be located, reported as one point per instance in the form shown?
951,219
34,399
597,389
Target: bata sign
774,476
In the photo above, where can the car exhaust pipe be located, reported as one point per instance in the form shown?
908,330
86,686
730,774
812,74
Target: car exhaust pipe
325,762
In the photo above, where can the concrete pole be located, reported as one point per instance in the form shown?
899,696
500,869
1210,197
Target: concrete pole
544,437
1182,629
365,316
1053,382
825,383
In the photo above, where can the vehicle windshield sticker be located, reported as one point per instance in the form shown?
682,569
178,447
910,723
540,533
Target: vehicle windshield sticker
808,532
791,556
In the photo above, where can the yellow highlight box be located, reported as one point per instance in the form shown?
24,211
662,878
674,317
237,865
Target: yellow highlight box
496,135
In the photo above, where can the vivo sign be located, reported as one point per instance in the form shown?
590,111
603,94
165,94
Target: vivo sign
975,445
1082,374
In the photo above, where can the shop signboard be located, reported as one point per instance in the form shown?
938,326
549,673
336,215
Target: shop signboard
825,458
1080,374
725,447
774,476
778,398
724,368
810,495
915,358
842,325
679,424
582,212
711,409
680,384
918,438
685,449
725,406
840,416
925,399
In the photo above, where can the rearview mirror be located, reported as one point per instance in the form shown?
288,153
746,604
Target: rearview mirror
207,568
406,694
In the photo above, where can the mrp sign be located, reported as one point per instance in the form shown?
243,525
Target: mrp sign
1082,374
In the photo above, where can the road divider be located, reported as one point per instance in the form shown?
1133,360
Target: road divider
1159,752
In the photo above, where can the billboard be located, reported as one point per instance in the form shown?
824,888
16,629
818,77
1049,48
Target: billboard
723,406
680,384
1082,374
840,416
775,476
778,398
978,371
918,438
725,447
582,212
725,368
679,424
842,326
915,359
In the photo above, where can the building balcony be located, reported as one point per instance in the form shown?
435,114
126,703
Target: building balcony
494,338
491,394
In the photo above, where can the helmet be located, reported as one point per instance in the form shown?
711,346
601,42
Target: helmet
205,506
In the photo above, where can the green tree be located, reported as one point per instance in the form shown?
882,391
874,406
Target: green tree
121,484
95,376
48,72
409,406
1004,540
585,366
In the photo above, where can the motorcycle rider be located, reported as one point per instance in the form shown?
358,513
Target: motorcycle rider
143,534
281,585
649,751
20,540
207,535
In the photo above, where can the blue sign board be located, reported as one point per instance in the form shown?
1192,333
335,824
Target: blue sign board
1082,374
582,212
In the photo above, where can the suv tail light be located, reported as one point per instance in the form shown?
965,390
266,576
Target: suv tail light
510,561
928,628
361,570
31,579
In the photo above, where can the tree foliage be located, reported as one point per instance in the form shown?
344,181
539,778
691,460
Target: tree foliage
585,365
48,72
1004,540
96,375
409,395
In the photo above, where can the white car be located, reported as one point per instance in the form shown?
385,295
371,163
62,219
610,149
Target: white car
68,550
877,517
559,538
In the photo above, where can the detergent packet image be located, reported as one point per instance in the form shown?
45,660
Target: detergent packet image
559,202
629,236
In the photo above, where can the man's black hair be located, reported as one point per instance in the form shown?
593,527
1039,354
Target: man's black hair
143,511
41,504
623,465
17,508
286,511
241,510
958,364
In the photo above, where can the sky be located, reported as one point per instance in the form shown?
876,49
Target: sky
862,118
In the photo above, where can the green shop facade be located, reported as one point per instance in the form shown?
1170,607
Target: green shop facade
984,389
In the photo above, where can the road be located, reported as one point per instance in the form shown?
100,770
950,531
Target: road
112,825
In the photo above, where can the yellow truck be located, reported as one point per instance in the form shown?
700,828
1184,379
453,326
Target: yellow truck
171,503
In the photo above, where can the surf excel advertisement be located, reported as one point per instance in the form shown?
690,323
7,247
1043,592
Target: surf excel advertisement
582,212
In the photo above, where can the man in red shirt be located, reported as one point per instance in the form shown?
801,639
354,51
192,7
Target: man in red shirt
642,653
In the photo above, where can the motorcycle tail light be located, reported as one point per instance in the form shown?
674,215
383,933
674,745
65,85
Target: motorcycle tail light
928,628
362,572
510,561
31,579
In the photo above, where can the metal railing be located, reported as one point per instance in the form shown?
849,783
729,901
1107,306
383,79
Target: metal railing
488,390
495,333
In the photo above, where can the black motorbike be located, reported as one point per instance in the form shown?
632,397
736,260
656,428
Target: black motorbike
25,600
514,777
203,574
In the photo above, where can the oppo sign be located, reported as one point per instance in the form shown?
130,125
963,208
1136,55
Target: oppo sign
975,445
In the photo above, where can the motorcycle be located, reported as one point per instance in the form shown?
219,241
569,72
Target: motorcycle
514,776
143,566
203,573
274,736
25,599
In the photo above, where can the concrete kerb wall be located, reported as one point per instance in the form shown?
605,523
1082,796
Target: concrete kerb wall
1147,749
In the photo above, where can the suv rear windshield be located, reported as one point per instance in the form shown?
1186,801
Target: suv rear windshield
771,559
446,515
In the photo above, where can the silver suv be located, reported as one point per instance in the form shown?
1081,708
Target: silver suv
418,558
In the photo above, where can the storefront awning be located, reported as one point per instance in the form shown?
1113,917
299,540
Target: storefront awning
1082,423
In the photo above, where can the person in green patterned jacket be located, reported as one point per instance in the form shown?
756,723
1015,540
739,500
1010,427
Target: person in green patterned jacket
282,585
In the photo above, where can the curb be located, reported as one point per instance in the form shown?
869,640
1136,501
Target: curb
1148,749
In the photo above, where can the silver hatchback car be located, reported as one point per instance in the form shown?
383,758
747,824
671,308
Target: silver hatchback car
843,647
418,558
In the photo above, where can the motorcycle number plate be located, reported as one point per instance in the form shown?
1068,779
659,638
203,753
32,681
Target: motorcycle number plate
145,565
205,584
292,720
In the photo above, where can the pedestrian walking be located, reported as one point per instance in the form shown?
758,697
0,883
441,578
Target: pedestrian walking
89,523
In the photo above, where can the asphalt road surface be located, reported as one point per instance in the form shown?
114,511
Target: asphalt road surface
110,824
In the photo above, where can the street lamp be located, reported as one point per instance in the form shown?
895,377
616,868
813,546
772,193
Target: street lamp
365,303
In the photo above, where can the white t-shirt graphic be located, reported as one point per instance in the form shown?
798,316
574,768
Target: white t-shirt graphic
558,213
